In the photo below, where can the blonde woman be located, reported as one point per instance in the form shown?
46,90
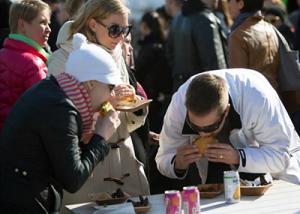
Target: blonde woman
105,22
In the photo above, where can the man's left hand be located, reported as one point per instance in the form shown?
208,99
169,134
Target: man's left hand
224,153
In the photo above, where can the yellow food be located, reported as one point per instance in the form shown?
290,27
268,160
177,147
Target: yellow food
105,107
202,143
127,100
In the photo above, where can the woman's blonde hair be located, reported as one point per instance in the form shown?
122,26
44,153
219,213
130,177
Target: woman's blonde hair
98,10
27,10
72,6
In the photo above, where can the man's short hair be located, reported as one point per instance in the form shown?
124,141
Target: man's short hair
27,10
205,93
252,5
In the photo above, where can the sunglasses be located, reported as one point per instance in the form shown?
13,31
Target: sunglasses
115,30
205,129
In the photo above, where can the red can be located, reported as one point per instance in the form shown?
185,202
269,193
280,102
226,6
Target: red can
191,200
172,202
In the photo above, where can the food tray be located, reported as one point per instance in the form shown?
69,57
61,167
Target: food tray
141,209
101,198
210,190
254,190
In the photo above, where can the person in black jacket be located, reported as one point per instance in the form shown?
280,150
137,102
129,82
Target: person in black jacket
194,43
41,149
152,70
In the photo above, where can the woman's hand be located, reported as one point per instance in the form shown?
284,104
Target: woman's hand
122,91
106,126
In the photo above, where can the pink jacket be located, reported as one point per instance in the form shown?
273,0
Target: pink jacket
20,67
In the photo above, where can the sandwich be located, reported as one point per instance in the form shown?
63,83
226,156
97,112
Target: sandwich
105,108
127,100
202,143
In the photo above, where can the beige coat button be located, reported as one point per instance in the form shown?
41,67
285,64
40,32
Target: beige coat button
16,170
24,173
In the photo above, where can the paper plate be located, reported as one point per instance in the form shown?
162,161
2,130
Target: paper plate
132,106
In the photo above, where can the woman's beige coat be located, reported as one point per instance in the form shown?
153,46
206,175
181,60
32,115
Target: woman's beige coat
120,161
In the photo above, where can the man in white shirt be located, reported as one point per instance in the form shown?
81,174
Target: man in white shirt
241,109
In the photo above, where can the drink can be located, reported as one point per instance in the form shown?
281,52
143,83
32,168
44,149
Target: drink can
232,187
191,200
172,202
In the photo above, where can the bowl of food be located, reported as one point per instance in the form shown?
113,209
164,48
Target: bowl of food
254,190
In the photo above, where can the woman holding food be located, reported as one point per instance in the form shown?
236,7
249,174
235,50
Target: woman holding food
40,153
106,24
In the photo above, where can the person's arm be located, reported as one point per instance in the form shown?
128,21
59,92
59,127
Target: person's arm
267,131
238,54
33,73
208,44
71,166
171,139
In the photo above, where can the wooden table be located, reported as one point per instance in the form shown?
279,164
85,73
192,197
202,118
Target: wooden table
281,198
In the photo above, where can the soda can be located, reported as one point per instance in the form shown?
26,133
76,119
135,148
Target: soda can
172,202
232,187
191,200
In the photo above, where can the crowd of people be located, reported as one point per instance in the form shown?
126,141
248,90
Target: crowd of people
210,68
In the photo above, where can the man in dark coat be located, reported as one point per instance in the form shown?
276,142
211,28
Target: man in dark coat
194,44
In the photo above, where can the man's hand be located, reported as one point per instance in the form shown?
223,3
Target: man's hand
224,153
186,155
153,138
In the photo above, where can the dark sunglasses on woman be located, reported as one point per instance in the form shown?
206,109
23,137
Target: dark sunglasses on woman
115,30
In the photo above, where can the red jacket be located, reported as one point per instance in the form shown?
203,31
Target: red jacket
20,67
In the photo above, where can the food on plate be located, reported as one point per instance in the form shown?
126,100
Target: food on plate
105,198
143,201
105,108
119,194
255,188
202,143
141,206
127,100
